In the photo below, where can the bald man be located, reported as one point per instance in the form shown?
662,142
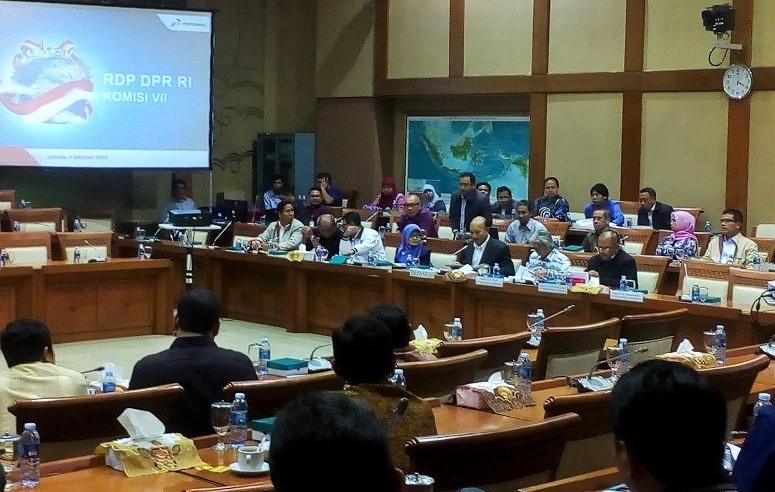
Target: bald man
485,250
326,234
611,262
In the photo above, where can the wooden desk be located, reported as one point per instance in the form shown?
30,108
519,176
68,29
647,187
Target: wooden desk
16,289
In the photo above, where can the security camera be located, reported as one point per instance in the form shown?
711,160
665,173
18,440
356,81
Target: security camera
719,18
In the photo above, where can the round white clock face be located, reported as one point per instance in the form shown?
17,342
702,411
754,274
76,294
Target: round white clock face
737,81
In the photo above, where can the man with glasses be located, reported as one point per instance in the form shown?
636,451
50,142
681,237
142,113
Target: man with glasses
466,203
415,213
611,262
359,242
731,247
525,228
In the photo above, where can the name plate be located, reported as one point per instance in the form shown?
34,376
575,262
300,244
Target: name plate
489,281
627,295
550,288
422,273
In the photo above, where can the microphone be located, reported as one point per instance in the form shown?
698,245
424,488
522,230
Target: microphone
601,383
97,258
228,224
25,203
467,242
572,306
96,369
316,364
397,414
372,216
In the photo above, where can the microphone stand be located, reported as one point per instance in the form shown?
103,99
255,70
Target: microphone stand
572,306
228,224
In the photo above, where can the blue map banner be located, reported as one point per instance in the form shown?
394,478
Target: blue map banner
494,148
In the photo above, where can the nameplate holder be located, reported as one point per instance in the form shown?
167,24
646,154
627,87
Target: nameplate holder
423,273
626,295
489,281
550,288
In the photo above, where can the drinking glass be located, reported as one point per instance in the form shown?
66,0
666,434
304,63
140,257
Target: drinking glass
449,330
611,354
535,336
8,458
703,294
148,252
709,340
382,230
220,418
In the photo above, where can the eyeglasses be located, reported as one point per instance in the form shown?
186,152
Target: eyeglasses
412,205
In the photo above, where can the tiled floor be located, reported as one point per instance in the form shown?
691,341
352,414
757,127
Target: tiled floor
235,335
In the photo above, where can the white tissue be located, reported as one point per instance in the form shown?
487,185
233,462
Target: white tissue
685,346
420,333
302,247
141,425
466,269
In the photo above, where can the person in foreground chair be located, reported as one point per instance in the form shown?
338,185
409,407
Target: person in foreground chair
359,242
486,250
395,319
612,262
285,232
195,362
326,234
682,242
731,247
413,244
670,428
328,441
32,371
545,258
363,357
525,228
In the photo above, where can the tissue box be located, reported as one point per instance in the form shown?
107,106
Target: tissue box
287,366
169,452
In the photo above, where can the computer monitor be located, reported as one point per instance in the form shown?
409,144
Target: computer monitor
236,210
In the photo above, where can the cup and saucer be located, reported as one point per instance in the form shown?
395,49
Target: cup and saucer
251,460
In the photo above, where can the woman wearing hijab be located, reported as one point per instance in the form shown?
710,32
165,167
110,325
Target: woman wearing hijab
389,198
682,239
412,245
431,200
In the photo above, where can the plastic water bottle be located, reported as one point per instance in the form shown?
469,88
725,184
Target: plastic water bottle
457,330
539,324
623,283
399,379
695,293
239,420
77,225
757,262
371,259
108,382
629,222
29,456
721,345
568,277
623,367
496,270
319,253
763,401
708,226
77,256
524,374
140,252
264,354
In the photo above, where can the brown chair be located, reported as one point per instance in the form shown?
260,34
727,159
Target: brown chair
714,276
692,210
766,246
656,331
558,230
651,271
36,219
636,239
745,286
594,433
267,397
26,248
629,208
74,426
735,382
578,260
519,252
90,244
500,348
565,351
7,199
442,249
439,378
521,456
96,220
392,239
763,231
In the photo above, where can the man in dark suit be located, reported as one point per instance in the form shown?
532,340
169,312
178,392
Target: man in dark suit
612,262
194,362
651,212
470,201
486,250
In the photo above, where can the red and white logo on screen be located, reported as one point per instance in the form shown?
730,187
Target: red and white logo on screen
49,85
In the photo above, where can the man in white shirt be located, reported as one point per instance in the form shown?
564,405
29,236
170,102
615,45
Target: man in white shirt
731,247
358,241
545,258
525,228
178,199
32,372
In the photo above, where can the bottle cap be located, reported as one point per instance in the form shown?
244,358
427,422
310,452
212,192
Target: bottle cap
398,372
239,396
539,311
109,373
30,426
265,339
456,320
622,340
764,397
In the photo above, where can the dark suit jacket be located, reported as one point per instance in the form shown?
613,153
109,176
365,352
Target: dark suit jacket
496,209
478,205
495,252
203,369
611,271
660,217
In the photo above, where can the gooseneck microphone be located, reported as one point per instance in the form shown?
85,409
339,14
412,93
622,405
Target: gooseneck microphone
96,369
572,306
318,363
228,224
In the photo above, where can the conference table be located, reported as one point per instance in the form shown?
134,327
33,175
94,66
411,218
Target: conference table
87,301
316,297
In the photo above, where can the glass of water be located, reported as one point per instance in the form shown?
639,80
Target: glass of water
612,355
8,448
220,418
449,331
709,340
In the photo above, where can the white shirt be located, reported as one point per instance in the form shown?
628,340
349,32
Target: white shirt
368,240
651,214
478,251
728,250
463,213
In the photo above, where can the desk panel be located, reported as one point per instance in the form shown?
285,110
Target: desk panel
16,292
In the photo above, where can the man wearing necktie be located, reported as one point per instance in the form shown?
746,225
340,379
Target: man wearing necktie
466,203
731,247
